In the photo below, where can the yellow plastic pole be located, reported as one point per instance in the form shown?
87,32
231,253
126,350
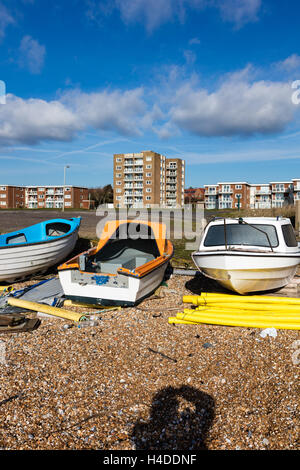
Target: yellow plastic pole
240,321
225,298
274,308
241,314
57,312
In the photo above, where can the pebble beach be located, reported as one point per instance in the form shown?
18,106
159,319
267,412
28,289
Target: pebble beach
131,381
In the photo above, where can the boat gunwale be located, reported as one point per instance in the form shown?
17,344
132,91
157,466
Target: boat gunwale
159,262
54,239
22,245
257,254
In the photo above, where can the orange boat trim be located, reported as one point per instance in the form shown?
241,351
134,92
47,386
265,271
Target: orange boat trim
165,248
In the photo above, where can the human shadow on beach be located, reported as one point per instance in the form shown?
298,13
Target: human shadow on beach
180,420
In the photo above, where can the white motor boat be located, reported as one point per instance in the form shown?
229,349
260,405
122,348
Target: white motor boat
249,254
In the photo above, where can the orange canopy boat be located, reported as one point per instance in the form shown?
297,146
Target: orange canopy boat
127,265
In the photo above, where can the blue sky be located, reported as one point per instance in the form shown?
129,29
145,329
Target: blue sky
209,81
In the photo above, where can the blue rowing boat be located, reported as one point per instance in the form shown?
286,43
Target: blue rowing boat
36,248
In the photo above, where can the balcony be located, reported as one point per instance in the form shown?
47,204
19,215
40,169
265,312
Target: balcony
262,192
139,169
211,192
128,170
225,200
225,191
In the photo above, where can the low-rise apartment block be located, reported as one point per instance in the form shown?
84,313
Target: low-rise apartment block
12,197
227,195
253,196
44,197
148,179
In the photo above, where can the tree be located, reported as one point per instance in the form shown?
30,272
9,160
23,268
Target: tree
102,195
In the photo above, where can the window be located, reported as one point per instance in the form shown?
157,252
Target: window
118,183
118,168
289,236
148,167
2,203
238,196
148,175
148,182
148,198
242,234
118,160
66,189
67,196
148,159
238,186
3,196
119,198
67,204
3,188
118,190
119,175
148,190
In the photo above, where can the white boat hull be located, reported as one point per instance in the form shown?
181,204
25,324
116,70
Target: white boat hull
248,272
18,262
135,291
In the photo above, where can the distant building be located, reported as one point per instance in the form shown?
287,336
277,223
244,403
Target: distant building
232,195
193,195
227,195
148,179
12,197
44,197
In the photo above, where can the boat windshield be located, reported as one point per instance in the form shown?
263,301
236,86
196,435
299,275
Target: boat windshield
289,236
242,234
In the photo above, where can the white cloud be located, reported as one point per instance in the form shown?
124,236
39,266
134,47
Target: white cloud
32,121
290,63
194,41
108,110
241,105
154,13
239,12
236,108
32,54
5,20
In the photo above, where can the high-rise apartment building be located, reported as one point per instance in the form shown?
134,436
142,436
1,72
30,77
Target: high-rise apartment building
148,179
